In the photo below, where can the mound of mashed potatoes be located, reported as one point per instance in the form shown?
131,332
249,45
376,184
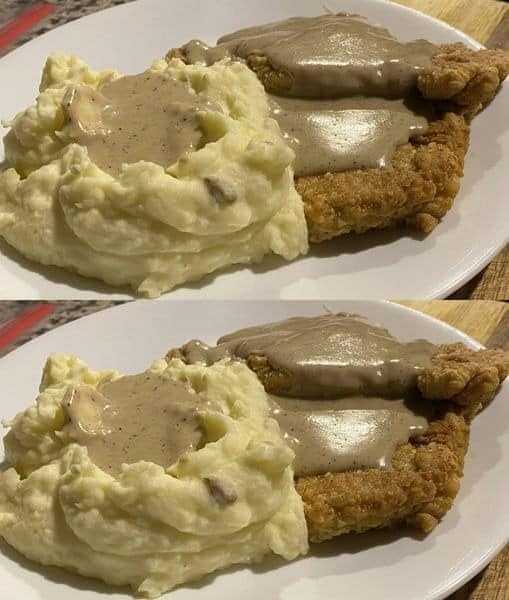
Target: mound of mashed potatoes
230,199
231,500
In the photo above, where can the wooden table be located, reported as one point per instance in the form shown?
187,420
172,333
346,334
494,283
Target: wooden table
486,321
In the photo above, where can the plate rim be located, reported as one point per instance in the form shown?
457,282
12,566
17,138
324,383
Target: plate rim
123,304
119,7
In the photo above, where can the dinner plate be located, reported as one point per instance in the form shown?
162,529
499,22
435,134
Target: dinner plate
381,564
373,265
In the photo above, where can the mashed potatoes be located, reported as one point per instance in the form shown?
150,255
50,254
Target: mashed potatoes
152,226
148,526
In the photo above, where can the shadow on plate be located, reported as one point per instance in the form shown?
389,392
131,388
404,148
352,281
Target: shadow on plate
59,275
343,545
347,245
344,246
347,544
58,575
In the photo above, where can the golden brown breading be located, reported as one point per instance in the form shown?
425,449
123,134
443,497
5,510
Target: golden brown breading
467,79
425,473
418,490
420,186
464,377
417,190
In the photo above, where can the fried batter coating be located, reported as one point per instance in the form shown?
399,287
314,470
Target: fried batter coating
416,190
425,473
464,377
467,79
419,187
418,490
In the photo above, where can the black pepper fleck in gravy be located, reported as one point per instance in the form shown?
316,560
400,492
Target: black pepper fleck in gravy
334,77
134,418
353,395
146,117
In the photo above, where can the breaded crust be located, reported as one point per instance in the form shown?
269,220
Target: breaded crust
419,187
418,490
460,377
467,80
416,190
425,473
464,377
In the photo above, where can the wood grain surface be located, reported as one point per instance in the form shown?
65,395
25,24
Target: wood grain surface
477,18
487,322
490,284
480,319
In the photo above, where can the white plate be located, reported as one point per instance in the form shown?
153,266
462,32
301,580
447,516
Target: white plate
375,265
381,564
